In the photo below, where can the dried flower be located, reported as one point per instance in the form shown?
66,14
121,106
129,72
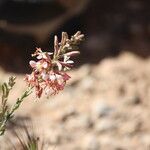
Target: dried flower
48,73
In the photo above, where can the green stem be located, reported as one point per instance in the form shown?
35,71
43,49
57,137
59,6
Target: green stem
19,100
9,114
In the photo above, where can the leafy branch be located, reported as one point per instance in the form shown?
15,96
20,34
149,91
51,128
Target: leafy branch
5,112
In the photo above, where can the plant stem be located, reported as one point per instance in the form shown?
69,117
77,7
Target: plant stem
9,114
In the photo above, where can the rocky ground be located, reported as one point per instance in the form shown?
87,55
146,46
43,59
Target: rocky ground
104,107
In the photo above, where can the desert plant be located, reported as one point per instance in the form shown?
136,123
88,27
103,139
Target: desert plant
25,137
28,140
48,74
7,113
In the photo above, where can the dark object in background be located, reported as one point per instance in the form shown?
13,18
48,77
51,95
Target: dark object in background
38,19
109,27
28,25
113,26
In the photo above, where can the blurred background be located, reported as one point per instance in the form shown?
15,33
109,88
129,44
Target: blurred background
106,104
109,26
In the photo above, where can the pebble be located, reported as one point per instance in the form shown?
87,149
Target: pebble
91,143
133,100
130,128
86,84
55,138
105,125
101,109
83,121
68,113
146,139
59,135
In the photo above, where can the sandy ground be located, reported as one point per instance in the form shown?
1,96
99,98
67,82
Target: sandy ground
104,107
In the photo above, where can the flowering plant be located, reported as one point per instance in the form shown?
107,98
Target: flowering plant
48,74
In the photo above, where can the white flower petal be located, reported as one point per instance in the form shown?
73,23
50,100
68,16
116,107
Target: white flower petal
59,66
49,53
48,91
58,76
32,63
70,62
44,56
66,58
44,76
45,65
52,77
39,57
59,79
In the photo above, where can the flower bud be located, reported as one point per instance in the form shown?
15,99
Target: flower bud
73,53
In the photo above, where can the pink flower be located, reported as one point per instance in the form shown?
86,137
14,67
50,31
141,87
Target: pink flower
32,64
43,78
42,55
48,72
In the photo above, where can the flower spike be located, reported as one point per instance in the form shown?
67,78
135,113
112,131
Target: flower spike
49,71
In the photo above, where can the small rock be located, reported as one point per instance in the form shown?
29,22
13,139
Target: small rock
91,143
133,100
70,112
55,138
130,128
82,73
87,83
58,136
101,109
53,134
80,122
146,139
105,125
